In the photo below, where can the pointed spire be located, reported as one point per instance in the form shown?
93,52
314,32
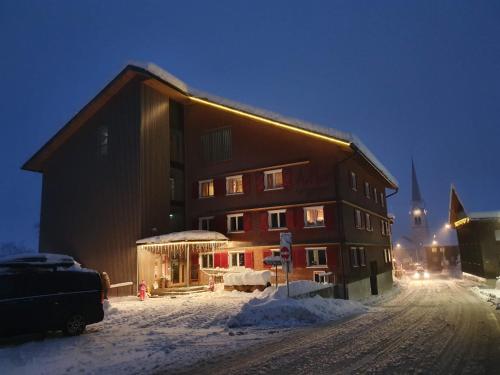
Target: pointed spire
457,210
415,189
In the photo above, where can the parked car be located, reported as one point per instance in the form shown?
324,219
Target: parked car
42,292
420,273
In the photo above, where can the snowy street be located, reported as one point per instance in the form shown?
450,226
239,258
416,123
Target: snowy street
432,326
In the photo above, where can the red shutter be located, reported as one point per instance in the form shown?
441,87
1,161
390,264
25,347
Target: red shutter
263,222
219,187
287,178
267,253
195,190
247,183
331,258
224,260
299,217
195,259
290,219
220,224
329,212
217,260
299,257
247,221
259,181
248,259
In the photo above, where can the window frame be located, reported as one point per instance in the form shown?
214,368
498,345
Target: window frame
211,255
358,214
228,178
305,209
367,190
269,220
239,230
354,260
230,260
353,180
200,183
375,195
382,203
273,172
205,218
368,220
316,251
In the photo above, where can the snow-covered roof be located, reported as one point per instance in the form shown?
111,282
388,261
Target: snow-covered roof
305,125
185,236
484,215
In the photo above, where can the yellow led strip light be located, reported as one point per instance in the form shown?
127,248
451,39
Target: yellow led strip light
271,122
460,222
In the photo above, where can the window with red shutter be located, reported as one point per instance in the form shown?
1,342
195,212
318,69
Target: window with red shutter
329,216
299,217
290,219
248,259
220,224
247,183
220,187
224,260
247,221
217,260
287,178
331,257
299,257
259,181
263,222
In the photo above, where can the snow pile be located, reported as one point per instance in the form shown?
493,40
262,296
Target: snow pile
248,277
489,295
272,308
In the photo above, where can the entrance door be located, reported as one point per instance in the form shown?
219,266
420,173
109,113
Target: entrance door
175,271
373,277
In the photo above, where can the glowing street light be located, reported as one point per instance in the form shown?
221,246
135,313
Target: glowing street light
447,226
434,242
398,245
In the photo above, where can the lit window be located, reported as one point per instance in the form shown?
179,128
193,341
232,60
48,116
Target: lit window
314,216
103,140
206,188
316,257
367,190
207,260
353,181
368,220
276,219
273,179
205,223
237,259
358,218
234,185
235,223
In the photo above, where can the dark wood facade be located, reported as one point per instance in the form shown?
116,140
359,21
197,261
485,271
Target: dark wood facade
96,204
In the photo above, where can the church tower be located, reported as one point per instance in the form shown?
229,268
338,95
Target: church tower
418,215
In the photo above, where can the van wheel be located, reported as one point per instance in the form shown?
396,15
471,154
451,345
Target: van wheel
75,325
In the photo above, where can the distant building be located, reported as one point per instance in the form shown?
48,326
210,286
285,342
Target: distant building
440,257
478,236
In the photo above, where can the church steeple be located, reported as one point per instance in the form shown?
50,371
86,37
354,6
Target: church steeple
416,197
418,213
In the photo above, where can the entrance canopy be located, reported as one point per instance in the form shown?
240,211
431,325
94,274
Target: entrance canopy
178,242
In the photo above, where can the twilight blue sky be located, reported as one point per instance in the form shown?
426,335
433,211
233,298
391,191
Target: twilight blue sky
417,78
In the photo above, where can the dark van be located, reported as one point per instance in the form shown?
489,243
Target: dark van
42,292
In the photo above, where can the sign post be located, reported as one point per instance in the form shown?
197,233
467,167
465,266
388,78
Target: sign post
285,253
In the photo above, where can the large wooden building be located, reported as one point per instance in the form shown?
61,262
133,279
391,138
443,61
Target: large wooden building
149,156
478,236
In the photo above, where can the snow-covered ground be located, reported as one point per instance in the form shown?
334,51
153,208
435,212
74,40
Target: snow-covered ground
489,295
168,333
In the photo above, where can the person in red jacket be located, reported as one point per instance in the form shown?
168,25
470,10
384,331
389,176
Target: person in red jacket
142,290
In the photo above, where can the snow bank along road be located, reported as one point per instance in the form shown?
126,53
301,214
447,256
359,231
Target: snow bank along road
431,327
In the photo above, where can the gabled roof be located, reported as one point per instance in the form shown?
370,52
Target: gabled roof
153,71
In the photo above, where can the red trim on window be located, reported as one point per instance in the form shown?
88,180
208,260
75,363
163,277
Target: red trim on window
217,260
247,183
331,257
290,218
259,181
247,221
219,187
264,225
299,217
224,260
299,257
248,259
